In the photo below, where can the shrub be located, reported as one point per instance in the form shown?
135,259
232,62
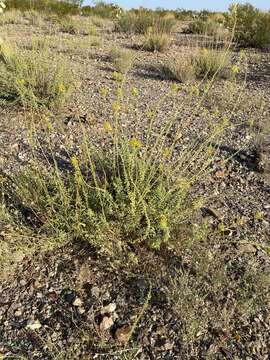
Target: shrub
132,191
139,22
155,41
252,25
102,10
33,78
209,63
61,8
121,59
180,68
68,25
208,27
203,63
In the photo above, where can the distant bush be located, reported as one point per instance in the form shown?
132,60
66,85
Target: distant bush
252,25
45,6
139,22
102,10
33,78
208,27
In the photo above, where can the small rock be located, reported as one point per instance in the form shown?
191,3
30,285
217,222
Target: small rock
247,248
77,302
106,323
123,334
33,325
18,313
108,309
95,291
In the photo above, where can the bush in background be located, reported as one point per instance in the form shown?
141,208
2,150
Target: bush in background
252,26
46,6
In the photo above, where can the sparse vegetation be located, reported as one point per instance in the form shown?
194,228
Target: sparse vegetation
156,41
122,59
32,78
201,63
252,25
134,214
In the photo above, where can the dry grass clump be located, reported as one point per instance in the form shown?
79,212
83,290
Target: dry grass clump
122,59
11,17
180,68
33,78
156,41
202,63
69,26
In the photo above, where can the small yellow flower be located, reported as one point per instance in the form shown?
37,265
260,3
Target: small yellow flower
61,88
103,92
134,91
135,143
174,87
167,152
74,162
49,126
235,69
107,126
118,76
116,107
163,222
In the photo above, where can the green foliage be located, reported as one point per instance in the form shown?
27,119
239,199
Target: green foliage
33,78
103,10
45,6
130,191
140,21
252,25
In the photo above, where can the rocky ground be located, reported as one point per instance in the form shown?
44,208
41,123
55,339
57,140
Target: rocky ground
210,301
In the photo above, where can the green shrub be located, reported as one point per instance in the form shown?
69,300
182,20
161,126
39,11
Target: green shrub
130,191
139,22
155,41
208,27
252,26
45,6
103,10
33,78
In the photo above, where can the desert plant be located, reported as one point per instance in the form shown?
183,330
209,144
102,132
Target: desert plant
122,59
180,68
133,187
210,62
33,78
68,25
155,41
252,25
201,63
139,22
61,8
